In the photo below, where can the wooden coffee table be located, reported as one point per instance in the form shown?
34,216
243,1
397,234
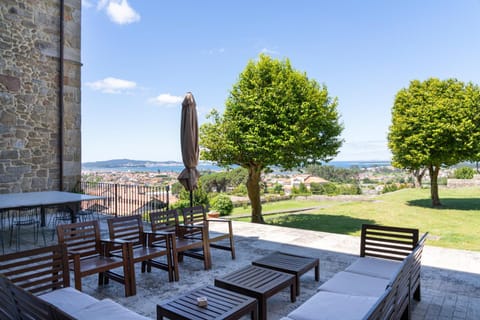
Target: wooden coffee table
289,263
222,304
260,283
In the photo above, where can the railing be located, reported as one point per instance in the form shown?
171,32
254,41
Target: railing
124,200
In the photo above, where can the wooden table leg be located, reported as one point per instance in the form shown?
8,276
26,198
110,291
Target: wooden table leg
293,292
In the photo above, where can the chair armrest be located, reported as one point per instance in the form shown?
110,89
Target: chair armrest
114,241
72,254
191,226
108,245
218,220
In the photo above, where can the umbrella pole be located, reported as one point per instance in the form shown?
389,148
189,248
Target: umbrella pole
191,198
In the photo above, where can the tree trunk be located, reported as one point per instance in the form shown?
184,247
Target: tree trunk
253,188
418,174
433,171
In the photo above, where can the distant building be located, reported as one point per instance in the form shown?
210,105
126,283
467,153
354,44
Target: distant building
306,179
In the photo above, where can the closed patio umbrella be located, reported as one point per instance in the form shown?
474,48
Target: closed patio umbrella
189,143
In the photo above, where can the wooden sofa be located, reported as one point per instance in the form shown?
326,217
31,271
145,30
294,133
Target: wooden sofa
379,285
35,284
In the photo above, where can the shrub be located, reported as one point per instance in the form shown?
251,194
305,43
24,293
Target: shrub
277,188
223,204
464,173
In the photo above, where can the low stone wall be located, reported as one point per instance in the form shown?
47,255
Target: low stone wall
460,183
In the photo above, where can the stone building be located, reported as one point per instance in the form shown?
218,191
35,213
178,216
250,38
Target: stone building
40,138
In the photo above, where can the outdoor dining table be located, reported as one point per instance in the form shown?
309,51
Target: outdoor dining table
45,199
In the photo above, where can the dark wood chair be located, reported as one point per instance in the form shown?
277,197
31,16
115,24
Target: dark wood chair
89,254
186,240
394,243
49,263
30,272
30,307
8,309
130,228
197,216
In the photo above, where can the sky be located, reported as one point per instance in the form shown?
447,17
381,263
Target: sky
140,58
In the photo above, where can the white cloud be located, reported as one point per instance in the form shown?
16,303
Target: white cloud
269,51
166,99
86,4
112,85
119,11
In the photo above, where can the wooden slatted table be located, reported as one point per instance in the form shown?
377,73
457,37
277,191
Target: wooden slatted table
289,263
260,283
222,304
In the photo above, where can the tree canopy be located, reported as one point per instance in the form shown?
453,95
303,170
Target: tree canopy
435,123
274,116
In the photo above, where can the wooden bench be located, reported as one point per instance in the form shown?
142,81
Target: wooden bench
34,284
378,285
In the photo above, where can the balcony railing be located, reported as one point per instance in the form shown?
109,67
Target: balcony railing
123,200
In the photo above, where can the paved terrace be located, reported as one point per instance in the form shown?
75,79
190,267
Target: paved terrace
450,278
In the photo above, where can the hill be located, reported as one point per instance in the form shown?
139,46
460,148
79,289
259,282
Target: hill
128,163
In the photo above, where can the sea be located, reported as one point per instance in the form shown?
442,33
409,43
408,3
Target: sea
211,167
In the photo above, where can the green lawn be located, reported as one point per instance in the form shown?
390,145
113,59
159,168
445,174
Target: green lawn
455,225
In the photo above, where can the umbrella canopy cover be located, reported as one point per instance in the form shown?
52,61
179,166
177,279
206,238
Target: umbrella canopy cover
189,143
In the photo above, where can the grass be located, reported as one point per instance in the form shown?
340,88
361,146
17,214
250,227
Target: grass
454,225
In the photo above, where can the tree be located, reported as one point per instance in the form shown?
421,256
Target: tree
418,173
435,123
464,173
274,116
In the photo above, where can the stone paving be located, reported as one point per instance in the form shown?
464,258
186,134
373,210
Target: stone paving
450,278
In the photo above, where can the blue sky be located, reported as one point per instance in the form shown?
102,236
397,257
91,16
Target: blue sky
141,57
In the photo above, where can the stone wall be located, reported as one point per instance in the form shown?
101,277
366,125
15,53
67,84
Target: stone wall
30,121
461,183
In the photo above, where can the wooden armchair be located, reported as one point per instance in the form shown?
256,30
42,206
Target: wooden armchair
130,228
186,240
89,255
197,216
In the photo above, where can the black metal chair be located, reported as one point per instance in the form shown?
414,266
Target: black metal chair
25,217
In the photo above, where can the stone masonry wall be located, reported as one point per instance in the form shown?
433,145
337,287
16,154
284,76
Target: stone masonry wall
29,89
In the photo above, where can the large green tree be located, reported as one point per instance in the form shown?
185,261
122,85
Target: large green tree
274,116
435,123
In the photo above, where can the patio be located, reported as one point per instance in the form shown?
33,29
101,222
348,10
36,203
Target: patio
450,278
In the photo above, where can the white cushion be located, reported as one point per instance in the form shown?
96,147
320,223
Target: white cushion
329,305
68,299
107,309
381,268
355,284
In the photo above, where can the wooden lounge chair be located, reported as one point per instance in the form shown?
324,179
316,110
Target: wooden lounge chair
31,272
197,216
49,263
186,240
130,228
89,255
393,243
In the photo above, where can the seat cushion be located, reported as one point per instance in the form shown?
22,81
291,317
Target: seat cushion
355,284
68,299
107,309
374,267
329,305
